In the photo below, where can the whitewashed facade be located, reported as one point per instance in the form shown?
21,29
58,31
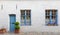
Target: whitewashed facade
37,14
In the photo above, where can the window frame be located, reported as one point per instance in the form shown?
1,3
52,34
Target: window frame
25,20
51,19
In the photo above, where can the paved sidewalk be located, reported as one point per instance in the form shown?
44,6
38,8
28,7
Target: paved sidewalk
33,33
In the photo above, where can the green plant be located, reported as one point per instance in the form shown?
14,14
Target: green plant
17,25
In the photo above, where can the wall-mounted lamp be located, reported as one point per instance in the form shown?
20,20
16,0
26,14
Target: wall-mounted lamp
16,6
1,7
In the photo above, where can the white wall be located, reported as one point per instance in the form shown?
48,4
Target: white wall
37,14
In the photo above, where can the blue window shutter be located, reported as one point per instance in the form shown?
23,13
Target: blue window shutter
50,17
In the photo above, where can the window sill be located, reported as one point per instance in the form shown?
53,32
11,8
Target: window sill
52,25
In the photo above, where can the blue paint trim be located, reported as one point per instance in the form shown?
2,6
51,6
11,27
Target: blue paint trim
30,17
57,17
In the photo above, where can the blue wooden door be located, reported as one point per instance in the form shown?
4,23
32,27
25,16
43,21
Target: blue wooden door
12,21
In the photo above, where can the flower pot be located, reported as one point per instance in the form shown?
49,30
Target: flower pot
17,31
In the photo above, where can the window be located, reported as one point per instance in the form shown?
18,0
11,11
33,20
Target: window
25,17
51,17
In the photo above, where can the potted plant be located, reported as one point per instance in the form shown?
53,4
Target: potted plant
17,27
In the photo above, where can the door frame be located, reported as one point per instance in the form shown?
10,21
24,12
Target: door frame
9,19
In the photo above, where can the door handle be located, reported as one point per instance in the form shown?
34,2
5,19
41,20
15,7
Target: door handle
12,23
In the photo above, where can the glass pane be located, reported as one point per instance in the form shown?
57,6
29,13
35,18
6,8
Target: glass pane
22,21
22,12
22,24
27,22
46,13
53,20
53,17
28,17
28,12
47,21
54,13
22,17
54,10
48,17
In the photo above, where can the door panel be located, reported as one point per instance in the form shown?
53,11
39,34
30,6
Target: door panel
12,21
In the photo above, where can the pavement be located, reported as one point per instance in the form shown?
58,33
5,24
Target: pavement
33,33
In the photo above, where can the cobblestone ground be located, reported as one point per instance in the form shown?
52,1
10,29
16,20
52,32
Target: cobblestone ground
33,33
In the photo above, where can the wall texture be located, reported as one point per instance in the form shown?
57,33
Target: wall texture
37,14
